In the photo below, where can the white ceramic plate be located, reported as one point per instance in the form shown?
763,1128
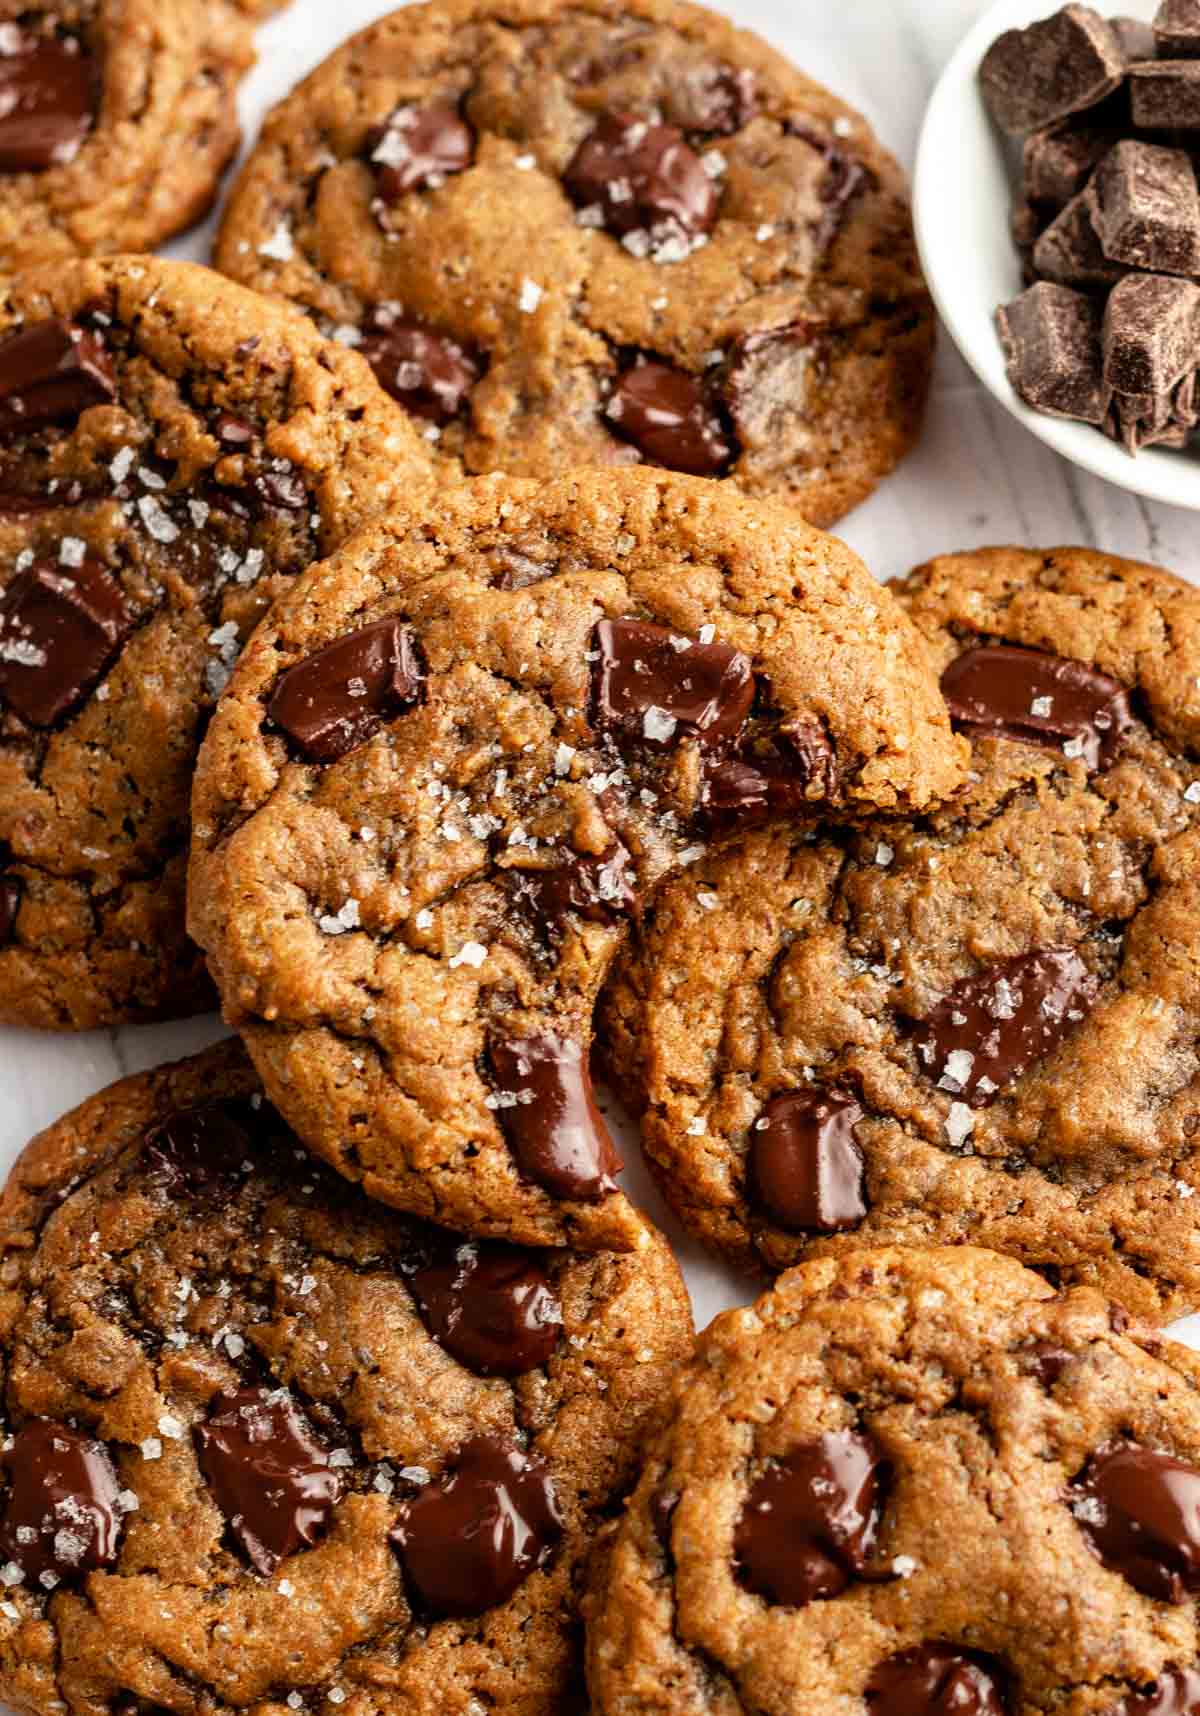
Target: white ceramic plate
962,194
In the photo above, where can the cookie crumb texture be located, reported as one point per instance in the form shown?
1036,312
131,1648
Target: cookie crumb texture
455,764
911,1482
270,1446
118,119
173,450
598,233
980,1025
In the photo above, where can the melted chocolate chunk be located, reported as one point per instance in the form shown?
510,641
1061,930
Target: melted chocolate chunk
62,1518
269,1475
11,889
336,698
991,1028
649,689
669,418
47,103
282,488
49,373
806,1168
429,374
200,1151
470,1539
491,1307
1176,1692
937,1680
596,888
636,177
1040,698
419,147
547,1111
1048,1362
1140,1511
811,1520
800,776
60,627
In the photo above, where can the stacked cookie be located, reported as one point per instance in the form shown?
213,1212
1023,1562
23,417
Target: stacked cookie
338,1369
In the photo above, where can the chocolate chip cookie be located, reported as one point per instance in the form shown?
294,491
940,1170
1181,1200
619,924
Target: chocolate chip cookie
455,762
117,119
912,1483
600,233
173,449
979,1024
269,1445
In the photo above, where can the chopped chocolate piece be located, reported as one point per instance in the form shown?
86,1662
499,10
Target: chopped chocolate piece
597,887
810,1521
283,488
1058,163
429,374
1176,1692
11,890
1140,1511
937,1680
547,1111
1177,30
1069,252
47,102
1137,39
844,178
715,98
991,1028
1048,1362
472,1538
1039,698
1164,95
1169,419
200,1151
749,792
1151,333
806,1169
491,1307
1146,209
667,415
1051,341
660,687
419,148
1026,225
62,1517
233,432
59,629
636,177
336,698
50,373
1056,67
269,1475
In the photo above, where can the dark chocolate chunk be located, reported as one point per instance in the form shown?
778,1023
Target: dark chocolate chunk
715,98
1177,30
658,687
419,148
336,698
1151,333
1176,1692
11,890
1048,1362
1140,1511
284,488
810,1522
1145,208
1038,698
1052,351
62,1516
991,1028
805,1166
233,433
766,379
1169,419
1058,66
642,180
60,627
49,373
547,1111
47,102
1058,163
1137,39
269,1475
750,792
937,1680
598,888
1069,252
200,1151
491,1307
844,177
470,1539
1164,95
429,374
670,419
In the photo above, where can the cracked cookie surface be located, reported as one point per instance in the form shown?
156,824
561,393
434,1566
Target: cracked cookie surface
252,1421
978,1024
173,450
118,120
911,1482
599,233
458,758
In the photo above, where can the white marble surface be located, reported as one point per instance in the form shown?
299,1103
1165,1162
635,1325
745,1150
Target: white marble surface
976,478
